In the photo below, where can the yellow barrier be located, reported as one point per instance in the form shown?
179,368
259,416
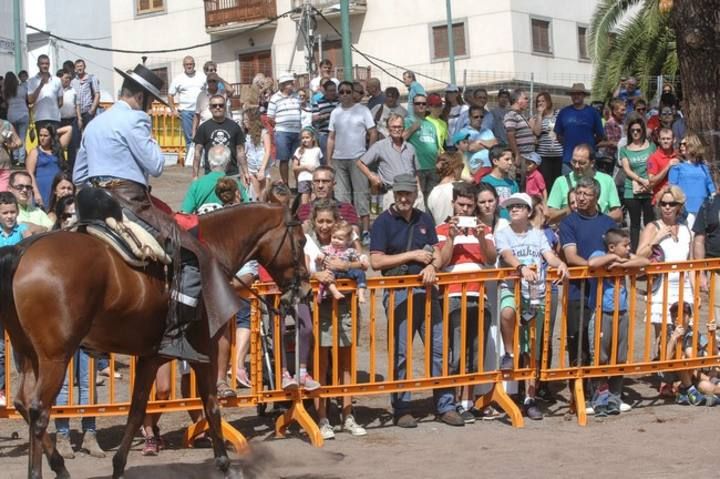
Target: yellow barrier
372,351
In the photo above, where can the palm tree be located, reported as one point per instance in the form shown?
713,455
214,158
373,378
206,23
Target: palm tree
630,37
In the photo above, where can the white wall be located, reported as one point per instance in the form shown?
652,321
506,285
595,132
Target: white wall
7,35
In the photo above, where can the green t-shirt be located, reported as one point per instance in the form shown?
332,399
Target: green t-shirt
202,191
608,192
442,131
638,161
504,188
425,141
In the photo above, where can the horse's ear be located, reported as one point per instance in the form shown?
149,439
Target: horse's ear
295,206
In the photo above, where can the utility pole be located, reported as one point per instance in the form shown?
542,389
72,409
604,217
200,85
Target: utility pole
309,25
17,18
451,44
346,39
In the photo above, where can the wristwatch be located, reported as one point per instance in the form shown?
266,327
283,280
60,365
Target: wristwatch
520,267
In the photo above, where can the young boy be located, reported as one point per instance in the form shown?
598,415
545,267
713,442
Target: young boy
534,181
521,246
608,391
696,386
502,165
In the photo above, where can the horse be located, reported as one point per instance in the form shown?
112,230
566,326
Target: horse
65,289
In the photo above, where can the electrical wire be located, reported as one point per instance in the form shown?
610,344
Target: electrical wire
403,68
168,50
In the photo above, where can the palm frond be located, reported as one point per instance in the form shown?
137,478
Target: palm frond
604,20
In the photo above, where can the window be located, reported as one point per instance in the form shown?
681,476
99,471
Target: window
541,36
254,63
582,43
143,7
162,72
439,46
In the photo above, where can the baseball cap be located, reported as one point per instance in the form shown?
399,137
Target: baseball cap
518,199
405,182
503,91
533,156
452,88
434,99
286,77
460,136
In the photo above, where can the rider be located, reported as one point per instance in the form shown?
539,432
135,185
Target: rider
118,154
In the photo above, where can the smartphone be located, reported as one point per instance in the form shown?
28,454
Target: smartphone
467,222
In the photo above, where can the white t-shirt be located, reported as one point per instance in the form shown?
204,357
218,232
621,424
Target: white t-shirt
185,90
315,83
310,159
439,202
350,126
311,250
69,103
46,104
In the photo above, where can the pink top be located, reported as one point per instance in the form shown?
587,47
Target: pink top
535,184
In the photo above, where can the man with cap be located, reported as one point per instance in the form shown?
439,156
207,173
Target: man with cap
435,109
183,93
480,141
455,111
382,112
284,112
421,134
404,242
392,156
578,123
524,248
414,88
118,154
202,104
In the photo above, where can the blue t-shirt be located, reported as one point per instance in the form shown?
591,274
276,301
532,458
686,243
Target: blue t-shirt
504,187
479,159
586,233
390,232
608,292
14,237
695,181
577,127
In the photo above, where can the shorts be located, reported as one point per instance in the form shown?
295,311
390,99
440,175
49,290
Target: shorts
344,320
285,145
507,300
304,187
242,318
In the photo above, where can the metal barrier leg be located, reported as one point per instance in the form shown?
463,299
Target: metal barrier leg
579,391
498,395
299,414
230,434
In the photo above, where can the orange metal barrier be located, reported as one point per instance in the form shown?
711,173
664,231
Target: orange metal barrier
372,351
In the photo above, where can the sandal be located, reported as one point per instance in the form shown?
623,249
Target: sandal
242,378
224,391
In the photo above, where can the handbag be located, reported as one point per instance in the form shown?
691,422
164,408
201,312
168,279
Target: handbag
401,270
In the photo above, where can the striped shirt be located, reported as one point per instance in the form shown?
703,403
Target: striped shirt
548,145
466,256
323,107
285,110
86,89
524,137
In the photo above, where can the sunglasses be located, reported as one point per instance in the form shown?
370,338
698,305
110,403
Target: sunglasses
683,143
212,81
635,130
23,187
477,117
217,105
345,92
669,203
420,103
641,110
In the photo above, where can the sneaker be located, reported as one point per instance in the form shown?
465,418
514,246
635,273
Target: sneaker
308,383
711,400
366,239
3,399
491,414
151,447
532,411
506,363
288,382
352,427
406,421
695,397
600,410
625,407
466,415
451,418
589,410
63,446
326,430
613,408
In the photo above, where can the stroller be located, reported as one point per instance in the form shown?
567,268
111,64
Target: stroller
288,342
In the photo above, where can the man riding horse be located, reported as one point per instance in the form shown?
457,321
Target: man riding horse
118,154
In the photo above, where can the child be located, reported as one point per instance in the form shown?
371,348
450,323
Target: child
502,164
534,181
702,385
608,391
340,248
305,160
461,141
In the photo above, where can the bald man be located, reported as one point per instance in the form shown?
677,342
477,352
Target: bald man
183,94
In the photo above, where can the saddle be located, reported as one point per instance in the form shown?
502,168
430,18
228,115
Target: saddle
100,215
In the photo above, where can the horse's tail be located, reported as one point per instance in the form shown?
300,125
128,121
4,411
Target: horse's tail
9,259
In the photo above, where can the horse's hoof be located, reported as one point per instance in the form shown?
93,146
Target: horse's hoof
233,474
62,475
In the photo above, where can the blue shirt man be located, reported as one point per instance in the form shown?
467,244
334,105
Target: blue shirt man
578,123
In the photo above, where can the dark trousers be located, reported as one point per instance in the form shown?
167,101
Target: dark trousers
638,207
551,169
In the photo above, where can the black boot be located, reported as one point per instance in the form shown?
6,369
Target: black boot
175,343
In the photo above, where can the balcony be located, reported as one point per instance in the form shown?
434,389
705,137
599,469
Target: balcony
331,8
232,16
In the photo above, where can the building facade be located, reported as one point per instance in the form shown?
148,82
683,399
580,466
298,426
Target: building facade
503,42
7,35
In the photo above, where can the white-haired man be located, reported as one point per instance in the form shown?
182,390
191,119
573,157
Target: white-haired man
202,190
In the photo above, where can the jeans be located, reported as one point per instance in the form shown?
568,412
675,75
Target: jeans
639,207
352,186
74,144
615,383
81,372
444,398
86,118
357,274
21,127
285,144
471,335
186,121
577,324
322,143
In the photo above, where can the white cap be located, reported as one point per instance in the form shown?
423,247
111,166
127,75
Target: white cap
286,77
518,199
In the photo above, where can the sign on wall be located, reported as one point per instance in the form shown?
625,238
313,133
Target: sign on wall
7,45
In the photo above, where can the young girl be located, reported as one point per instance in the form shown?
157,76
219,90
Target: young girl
305,160
340,247
258,146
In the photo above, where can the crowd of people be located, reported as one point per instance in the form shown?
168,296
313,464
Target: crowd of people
456,186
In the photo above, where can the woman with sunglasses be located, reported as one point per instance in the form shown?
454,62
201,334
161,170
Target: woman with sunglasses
638,189
668,239
693,175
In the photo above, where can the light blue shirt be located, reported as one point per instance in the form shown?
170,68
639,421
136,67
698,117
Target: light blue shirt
479,158
119,143
414,89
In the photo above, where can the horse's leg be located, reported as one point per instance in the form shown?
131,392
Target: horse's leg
49,378
145,370
207,387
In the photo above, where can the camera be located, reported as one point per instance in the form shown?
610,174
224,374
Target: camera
467,222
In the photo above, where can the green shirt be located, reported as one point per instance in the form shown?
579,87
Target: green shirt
202,191
638,161
442,131
608,192
35,215
425,141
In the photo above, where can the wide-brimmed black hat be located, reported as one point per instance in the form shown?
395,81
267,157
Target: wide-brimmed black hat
147,79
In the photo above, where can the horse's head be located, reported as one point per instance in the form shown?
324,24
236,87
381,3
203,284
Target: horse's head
284,256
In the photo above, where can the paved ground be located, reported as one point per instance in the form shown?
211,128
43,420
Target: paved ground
655,439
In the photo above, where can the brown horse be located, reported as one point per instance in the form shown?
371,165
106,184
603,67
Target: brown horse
62,290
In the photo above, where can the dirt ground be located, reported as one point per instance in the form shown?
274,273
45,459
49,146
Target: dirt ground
655,439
